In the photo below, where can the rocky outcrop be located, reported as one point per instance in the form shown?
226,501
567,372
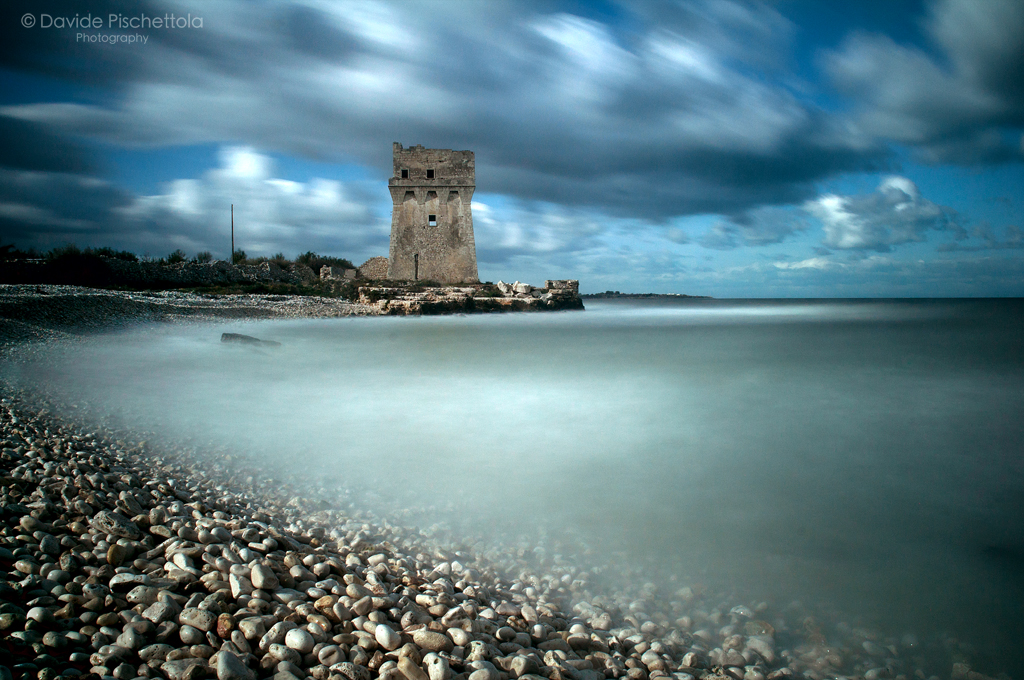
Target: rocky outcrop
517,297
563,290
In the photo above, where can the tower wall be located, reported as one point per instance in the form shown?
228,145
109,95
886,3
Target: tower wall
442,249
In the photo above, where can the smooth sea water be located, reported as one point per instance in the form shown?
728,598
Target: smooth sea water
864,454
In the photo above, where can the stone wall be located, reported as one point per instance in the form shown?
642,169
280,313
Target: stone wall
375,269
329,273
432,218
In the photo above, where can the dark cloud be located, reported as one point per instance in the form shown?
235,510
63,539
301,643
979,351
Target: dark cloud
54,208
305,30
30,146
591,124
760,227
721,236
680,115
57,53
964,104
745,32
1013,239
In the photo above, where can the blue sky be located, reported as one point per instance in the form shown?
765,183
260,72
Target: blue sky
733,149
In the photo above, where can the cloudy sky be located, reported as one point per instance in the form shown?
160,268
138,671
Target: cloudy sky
734,149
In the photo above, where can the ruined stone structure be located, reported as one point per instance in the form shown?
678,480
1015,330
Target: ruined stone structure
431,219
375,269
399,299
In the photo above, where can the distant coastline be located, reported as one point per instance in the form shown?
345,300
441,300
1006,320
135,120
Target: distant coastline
610,294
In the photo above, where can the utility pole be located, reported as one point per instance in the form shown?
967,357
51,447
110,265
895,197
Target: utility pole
232,233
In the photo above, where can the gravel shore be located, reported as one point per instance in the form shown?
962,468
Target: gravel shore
29,312
124,557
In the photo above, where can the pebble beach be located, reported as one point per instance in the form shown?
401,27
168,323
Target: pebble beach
124,556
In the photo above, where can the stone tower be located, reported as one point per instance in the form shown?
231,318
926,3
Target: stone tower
431,218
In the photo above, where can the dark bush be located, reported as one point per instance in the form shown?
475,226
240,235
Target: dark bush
348,290
9,252
71,266
204,257
106,251
177,257
64,252
314,261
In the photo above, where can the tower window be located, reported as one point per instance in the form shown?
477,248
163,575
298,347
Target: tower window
430,173
405,173
432,220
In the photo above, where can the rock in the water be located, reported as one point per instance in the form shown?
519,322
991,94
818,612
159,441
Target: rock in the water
247,340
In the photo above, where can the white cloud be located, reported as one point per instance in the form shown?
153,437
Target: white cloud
271,214
894,214
810,263
516,228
